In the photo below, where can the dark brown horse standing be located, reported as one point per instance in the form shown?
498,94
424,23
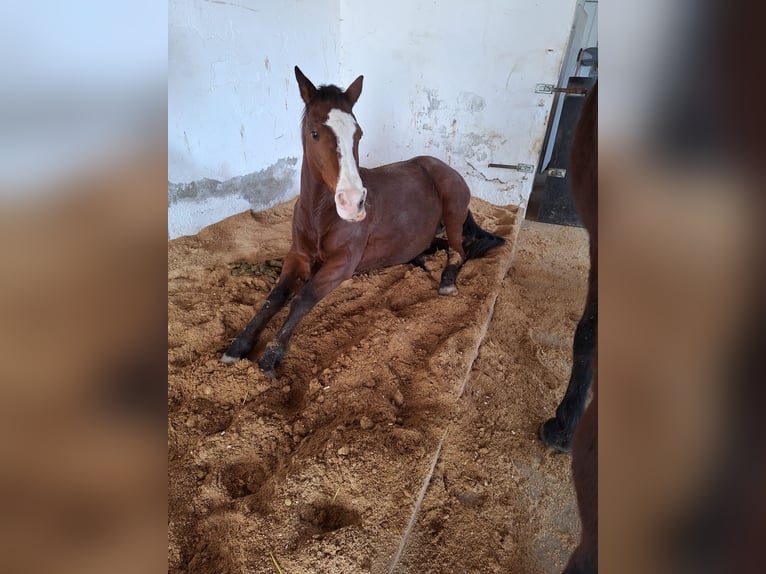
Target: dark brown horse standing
564,431
350,219
557,432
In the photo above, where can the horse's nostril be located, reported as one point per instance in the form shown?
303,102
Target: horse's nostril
361,204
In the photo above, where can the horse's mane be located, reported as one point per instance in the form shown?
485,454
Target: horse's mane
324,93
328,92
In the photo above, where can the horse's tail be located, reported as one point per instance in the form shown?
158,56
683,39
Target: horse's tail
476,241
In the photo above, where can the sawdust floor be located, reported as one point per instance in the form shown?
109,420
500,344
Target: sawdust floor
323,468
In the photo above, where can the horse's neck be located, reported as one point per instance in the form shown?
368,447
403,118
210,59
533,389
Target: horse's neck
315,196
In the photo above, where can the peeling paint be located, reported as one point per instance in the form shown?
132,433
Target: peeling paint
192,206
434,103
484,177
472,102
259,189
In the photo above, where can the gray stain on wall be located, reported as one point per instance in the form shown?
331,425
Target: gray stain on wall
260,188
471,102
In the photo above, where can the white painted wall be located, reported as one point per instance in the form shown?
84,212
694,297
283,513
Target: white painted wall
456,80
233,106
447,78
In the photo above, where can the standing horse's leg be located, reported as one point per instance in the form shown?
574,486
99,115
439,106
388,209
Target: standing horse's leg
557,432
296,268
329,276
584,559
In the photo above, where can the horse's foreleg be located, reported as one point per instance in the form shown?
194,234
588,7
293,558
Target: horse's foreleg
557,432
329,276
294,270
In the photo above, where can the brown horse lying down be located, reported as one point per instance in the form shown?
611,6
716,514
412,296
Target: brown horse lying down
350,219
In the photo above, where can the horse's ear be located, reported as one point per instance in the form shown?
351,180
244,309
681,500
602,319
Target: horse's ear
354,90
304,84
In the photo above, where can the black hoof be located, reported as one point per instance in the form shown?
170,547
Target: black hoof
237,350
268,362
270,372
555,436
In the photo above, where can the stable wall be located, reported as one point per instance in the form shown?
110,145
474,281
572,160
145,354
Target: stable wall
446,78
233,106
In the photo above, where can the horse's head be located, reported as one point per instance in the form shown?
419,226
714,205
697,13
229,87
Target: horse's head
331,143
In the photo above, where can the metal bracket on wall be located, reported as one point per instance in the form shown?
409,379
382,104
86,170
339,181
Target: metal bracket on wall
551,89
555,172
524,167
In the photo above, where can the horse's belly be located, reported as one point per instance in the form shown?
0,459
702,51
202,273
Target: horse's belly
399,244
406,212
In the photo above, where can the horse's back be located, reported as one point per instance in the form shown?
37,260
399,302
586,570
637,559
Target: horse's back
429,174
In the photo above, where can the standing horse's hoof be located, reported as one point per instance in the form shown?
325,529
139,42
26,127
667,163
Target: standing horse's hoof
554,436
448,290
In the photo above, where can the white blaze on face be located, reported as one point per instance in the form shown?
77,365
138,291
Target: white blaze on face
349,191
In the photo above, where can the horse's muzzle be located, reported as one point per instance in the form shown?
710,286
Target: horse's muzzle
348,209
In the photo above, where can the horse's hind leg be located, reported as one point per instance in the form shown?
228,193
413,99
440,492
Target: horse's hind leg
557,432
455,256
454,196
295,269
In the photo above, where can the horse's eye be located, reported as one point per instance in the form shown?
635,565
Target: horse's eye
315,134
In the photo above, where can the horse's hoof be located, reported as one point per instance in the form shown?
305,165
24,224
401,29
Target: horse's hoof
227,359
269,368
239,349
553,436
448,290
270,373
268,362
